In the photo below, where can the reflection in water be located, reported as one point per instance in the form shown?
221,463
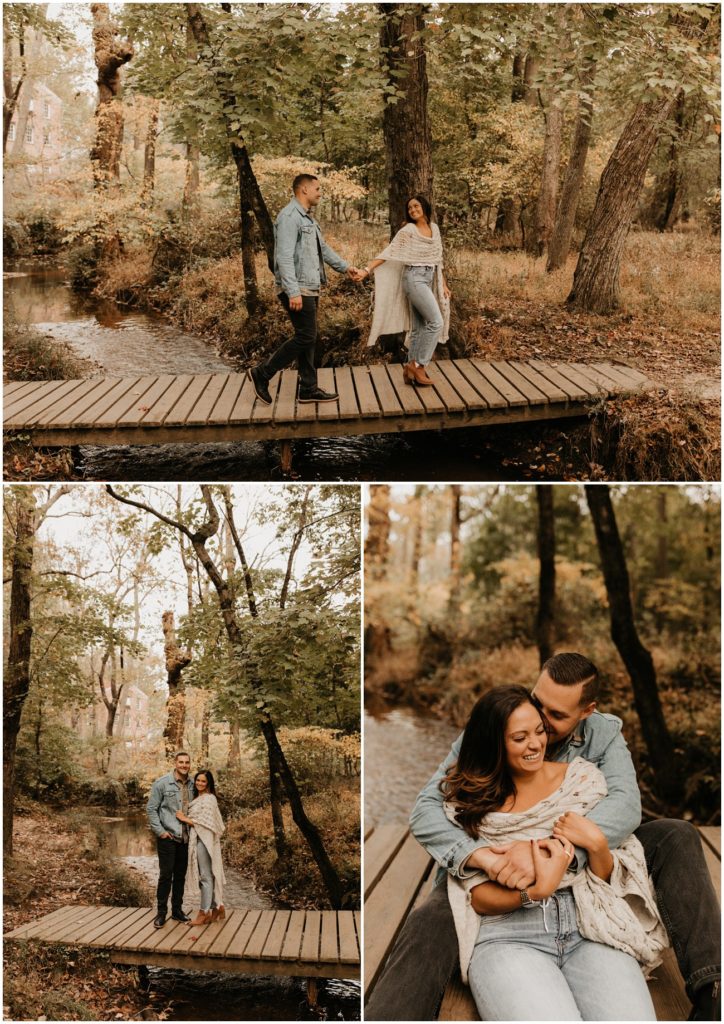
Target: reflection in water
402,750
126,342
130,840
203,995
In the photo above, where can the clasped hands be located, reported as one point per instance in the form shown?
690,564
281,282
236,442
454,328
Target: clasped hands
356,275
512,864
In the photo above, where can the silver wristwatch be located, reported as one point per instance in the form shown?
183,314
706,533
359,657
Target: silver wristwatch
525,900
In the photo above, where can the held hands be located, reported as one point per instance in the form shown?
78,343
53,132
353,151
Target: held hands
550,860
356,275
513,865
574,828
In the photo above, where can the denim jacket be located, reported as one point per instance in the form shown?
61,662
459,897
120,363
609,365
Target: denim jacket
163,802
300,252
598,739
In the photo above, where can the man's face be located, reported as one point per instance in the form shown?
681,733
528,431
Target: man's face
561,706
312,192
183,765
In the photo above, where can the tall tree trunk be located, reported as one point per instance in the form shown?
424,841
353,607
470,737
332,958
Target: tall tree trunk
545,621
507,221
377,544
671,187
190,201
276,787
405,122
545,210
16,682
234,759
149,155
176,658
560,242
530,80
596,286
249,191
110,55
455,519
11,90
635,656
205,730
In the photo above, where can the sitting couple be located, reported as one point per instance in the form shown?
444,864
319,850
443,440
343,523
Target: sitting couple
558,900
411,294
185,818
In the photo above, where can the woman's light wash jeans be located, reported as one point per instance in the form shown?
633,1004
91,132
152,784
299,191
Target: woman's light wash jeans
520,971
206,877
427,322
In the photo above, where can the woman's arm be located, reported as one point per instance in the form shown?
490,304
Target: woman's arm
551,862
184,818
585,833
372,265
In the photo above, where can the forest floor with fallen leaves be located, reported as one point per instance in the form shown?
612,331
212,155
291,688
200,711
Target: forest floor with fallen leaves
59,860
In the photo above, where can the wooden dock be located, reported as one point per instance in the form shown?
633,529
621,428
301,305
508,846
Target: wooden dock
206,408
303,943
399,876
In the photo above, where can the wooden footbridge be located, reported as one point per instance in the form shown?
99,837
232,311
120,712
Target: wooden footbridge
374,399
306,943
399,877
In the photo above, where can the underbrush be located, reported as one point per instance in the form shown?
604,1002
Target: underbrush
30,355
249,847
61,859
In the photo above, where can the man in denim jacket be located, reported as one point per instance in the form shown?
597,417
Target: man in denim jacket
300,253
426,951
171,793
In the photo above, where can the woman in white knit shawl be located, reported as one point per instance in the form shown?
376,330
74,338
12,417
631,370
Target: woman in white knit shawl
573,946
411,293
205,871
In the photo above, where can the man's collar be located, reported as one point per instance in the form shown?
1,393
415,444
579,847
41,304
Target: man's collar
302,209
575,739
176,778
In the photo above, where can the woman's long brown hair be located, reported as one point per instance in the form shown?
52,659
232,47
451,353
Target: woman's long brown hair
480,781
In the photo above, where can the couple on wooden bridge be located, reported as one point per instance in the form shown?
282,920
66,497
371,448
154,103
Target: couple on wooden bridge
411,293
185,818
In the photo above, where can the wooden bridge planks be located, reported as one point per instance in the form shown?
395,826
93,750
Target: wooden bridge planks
283,941
372,399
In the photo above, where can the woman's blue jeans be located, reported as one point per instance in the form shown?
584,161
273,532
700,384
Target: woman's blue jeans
427,322
520,971
206,877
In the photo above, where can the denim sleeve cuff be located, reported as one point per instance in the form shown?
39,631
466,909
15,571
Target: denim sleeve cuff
458,853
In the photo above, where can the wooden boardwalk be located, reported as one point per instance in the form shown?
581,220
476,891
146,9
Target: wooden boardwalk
304,943
399,876
372,399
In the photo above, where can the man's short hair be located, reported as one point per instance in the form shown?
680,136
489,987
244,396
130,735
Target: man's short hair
570,670
302,179
181,753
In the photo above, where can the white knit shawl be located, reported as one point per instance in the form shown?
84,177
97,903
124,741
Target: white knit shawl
208,827
621,912
392,308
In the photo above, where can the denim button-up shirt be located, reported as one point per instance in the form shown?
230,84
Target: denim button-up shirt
300,252
163,802
598,739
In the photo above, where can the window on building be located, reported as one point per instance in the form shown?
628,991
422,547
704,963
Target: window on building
29,133
46,108
31,105
11,133
46,135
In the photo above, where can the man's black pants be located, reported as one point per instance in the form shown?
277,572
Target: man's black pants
301,347
173,860
426,952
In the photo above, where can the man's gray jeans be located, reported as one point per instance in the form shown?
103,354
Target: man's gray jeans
426,952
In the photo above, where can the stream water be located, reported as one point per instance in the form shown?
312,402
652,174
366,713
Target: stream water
402,749
206,996
126,342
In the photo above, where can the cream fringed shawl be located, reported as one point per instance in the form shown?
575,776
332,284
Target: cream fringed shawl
621,912
392,309
208,828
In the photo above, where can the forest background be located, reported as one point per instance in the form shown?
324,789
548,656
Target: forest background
217,619
543,133
469,587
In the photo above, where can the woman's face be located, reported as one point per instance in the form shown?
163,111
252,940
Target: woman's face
201,783
525,740
414,210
